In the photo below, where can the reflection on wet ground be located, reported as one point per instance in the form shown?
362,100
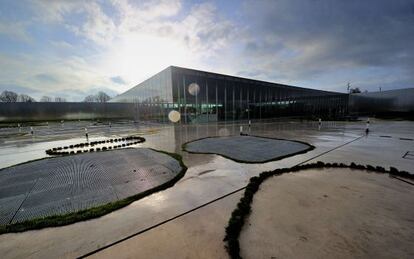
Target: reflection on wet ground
25,147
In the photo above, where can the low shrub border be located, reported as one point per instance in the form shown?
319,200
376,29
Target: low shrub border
310,147
58,150
243,208
94,212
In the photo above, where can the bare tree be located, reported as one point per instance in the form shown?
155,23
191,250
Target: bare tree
24,98
355,90
46,99
8,97
60,100
90,99
102,97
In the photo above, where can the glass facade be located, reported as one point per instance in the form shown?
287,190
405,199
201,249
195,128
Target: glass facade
203,96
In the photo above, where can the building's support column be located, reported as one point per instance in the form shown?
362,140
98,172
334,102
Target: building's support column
225,101
217,102
178,97
234,104
248,102
196,100
185,100
254,103
207,104
241,102
260,103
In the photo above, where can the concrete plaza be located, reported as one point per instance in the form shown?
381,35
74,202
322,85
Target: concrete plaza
189,219
330,213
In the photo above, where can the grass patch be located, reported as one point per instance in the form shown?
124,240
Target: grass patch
94,212
243,209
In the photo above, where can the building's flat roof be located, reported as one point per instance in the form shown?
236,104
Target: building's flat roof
244,79
214,75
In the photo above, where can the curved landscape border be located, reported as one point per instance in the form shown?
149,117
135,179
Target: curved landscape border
57,150
243,209
310,147
93,212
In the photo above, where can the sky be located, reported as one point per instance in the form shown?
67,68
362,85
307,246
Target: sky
75,48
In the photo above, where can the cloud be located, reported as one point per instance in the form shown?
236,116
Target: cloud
303,40
54,11
17,89
61,44
70,74
46,78
15,31
118,80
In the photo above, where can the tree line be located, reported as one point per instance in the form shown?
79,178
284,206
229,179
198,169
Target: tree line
12,97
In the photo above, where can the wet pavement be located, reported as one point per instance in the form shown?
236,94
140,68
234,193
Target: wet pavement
346,213
18,145
209,177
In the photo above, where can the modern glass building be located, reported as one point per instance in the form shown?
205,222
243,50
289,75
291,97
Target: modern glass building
202,96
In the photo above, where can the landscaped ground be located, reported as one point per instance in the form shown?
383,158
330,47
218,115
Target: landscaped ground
190,218
330,213
248,149
71,183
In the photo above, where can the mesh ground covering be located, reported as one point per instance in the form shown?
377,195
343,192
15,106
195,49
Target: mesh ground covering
249,149
67,184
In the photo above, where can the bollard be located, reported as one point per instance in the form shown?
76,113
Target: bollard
249,126
367,127
31,131
86,134
241,130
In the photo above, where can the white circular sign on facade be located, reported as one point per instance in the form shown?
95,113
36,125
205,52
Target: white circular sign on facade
194,89
174,116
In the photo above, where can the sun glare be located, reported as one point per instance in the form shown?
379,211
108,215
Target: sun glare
136,57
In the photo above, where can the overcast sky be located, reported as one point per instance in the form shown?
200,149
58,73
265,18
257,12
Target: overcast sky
75,48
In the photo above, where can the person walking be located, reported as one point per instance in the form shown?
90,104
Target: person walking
86,134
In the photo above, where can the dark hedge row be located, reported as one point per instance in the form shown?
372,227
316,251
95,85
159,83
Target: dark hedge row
243,208
58,150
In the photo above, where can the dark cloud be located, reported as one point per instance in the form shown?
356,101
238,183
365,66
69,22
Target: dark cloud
118,80
303,39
